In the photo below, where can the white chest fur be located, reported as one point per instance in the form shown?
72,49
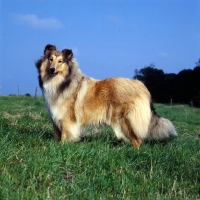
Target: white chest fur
49,94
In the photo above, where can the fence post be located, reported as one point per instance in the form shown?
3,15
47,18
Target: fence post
35,92
171,102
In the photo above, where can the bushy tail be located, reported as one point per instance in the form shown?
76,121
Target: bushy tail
160,128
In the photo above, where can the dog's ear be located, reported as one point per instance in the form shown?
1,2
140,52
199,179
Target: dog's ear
67,54
48,49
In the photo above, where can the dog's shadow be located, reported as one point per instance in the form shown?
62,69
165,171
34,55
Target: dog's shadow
113,142
109,139
152,142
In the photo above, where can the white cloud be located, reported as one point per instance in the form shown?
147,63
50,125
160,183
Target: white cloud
113,18
164,55
36,22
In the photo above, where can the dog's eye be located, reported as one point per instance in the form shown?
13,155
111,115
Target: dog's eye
60,61
51,59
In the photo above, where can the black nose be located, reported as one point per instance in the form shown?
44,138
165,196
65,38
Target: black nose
52,70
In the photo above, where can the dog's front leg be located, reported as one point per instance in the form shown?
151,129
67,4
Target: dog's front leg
70,132
57,133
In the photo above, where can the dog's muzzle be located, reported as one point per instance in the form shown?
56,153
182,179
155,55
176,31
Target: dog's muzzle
52,70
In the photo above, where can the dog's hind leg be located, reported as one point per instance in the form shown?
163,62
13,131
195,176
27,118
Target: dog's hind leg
136,141
129,130
119,133
124,130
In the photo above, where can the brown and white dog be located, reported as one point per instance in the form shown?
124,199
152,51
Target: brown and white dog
74,101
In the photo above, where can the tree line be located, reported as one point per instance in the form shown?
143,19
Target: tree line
183,87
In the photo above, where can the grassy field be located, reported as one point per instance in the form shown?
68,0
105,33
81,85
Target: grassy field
33,166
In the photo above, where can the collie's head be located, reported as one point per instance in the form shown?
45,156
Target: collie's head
55,63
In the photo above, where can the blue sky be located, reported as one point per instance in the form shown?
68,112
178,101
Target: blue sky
109,38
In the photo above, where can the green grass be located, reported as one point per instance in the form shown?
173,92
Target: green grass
33,166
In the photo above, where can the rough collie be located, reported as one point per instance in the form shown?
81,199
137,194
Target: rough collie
74,101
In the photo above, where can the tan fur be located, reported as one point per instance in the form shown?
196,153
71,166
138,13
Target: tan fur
123,104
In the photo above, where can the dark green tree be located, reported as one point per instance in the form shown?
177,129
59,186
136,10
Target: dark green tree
183,87
153,78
